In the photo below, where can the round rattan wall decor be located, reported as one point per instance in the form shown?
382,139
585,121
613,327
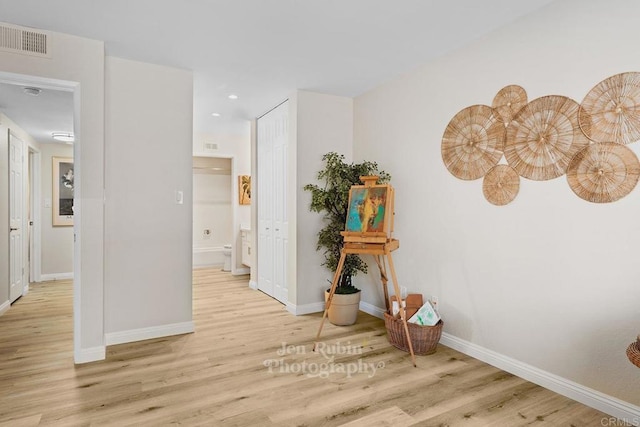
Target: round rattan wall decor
543,137
611,110
501,185
603,172
473,142
508,101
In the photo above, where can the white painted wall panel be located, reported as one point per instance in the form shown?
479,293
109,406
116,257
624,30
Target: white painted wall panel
148,158
550,280
78,62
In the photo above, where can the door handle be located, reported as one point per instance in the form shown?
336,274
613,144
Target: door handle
13,229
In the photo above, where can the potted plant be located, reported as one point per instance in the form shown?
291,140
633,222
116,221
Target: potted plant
332,201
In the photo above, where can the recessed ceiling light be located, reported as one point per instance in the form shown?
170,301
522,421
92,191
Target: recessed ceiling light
232,96
63,136
215,114
33,91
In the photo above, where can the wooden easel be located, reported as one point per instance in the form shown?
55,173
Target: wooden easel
379,245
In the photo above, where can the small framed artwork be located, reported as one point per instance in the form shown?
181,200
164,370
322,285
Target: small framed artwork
62,191
244,189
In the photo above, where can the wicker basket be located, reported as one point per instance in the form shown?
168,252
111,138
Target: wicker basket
633,353
424,339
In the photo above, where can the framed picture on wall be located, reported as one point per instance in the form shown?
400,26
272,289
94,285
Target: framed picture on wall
62,191
244,189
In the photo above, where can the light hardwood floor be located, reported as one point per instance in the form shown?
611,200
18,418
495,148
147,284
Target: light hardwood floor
230,373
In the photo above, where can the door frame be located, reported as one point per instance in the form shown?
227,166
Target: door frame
74,87
234,209
35,199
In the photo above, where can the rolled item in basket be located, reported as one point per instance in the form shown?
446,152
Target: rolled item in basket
426,315
395,308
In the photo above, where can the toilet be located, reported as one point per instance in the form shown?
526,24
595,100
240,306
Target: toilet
226,251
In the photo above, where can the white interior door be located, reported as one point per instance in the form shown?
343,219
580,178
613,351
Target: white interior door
16,218
265,206
272,142
280,223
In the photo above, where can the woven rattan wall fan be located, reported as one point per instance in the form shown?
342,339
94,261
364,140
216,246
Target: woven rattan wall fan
473,142
501,185
543,137
611,110
508,101
603,172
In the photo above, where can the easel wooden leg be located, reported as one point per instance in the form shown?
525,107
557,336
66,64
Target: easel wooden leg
403,313
332,291
383,276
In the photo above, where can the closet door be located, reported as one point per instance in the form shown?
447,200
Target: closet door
280,223
265,206
272,146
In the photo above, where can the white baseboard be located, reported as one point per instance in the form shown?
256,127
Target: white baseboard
122,337
318,307
86,355
300,310
56,276
595,399
253,285
372,309
4,307
241,271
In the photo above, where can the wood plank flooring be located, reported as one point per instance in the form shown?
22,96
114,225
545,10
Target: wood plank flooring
250,363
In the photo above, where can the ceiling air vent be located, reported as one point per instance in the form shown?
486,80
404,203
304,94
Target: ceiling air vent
210,146
24,40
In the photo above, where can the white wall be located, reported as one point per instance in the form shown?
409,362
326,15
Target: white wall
234,145
78,64
57,242
319,124
148,236
549,280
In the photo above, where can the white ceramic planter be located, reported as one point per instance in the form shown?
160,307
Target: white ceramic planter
344,308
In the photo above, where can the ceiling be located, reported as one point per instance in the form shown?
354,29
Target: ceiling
263,50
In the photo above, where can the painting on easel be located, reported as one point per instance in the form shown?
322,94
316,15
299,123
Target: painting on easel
367,209
370,212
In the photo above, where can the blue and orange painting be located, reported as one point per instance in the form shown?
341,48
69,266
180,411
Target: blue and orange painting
367,209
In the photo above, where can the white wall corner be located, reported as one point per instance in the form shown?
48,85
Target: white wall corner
300,310
4,307
372,309
86,355
141,334
253,285
600,401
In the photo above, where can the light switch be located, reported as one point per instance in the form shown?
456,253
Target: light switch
47,202
179,197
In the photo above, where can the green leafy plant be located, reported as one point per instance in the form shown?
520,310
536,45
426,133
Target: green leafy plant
332,201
